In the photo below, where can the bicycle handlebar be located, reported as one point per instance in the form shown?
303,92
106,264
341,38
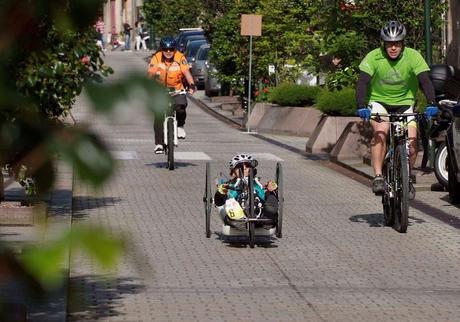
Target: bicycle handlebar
177,92
379,116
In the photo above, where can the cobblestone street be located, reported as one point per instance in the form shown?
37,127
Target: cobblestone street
335,262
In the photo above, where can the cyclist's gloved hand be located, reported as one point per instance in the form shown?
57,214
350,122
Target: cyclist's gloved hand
430,111
364,113
222,189
272,186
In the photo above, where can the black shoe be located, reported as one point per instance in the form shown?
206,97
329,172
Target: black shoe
378,185
412,181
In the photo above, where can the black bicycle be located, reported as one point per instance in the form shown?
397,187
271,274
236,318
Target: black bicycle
170,129
396,170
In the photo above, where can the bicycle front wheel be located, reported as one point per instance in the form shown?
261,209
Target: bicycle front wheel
170,127
387,200
402,189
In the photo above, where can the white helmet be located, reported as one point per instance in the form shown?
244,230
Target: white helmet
393,31
242,158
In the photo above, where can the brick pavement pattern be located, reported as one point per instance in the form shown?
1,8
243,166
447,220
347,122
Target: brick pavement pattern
335,262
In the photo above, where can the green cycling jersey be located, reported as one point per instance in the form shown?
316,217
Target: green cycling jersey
393,82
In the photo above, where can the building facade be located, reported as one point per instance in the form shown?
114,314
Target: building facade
116,13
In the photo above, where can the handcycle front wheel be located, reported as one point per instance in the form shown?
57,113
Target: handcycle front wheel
170,140
401,203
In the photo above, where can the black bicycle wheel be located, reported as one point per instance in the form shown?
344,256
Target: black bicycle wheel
251,224
401,205
279,182
170,144
387,201
208,199
441,166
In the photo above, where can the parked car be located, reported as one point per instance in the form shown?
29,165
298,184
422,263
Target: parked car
186,33
199,65
189,39
192,48
212,85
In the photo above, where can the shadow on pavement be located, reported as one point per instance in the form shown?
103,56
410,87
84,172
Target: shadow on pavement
243,241
164,165
82,203
376,220
92,298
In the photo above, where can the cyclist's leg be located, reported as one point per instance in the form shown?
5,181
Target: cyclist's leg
158,128
412,137
180,105
379,138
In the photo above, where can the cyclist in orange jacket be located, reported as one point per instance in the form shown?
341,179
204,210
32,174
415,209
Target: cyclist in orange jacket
169,67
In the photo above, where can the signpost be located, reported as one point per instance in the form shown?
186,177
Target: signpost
251,25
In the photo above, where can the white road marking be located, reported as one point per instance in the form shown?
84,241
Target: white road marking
124,155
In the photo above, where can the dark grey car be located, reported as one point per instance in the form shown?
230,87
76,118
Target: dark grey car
199,65
192,48
212,85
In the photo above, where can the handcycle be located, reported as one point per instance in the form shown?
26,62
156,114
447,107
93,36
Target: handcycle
396,170
254,225
170,128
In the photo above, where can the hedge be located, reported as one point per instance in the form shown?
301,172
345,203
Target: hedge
337,103
289,94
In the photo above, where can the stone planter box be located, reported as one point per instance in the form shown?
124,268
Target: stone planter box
299,121
354,142
14,213
327,133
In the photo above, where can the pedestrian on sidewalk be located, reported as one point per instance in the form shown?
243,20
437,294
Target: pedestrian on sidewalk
388,82
169,67
127,32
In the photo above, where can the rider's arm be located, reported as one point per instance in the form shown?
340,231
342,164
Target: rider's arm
189,78
362,86
153,67
427,87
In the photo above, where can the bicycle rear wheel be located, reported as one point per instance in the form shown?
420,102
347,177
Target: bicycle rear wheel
251,224
170,128
401,204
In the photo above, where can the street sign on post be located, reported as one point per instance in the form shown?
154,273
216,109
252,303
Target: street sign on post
251,25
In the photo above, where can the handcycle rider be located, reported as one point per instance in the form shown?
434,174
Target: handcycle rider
228,195
169,67
388,82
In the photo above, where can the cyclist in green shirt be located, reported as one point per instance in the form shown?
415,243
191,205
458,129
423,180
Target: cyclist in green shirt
388,82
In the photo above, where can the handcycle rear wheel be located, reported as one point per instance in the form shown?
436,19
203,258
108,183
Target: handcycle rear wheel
170,140
441,165
251,224
207,199
279,182
401,204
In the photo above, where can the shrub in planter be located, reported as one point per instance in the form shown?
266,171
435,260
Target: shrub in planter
289,94
337,102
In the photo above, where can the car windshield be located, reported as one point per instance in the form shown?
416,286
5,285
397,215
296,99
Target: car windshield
193,48
203,54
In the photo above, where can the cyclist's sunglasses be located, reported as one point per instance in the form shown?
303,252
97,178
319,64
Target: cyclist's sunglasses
169,50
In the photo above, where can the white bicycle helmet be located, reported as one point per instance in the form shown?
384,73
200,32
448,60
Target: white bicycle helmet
241,158
393,31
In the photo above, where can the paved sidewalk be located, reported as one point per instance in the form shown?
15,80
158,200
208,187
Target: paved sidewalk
336,261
